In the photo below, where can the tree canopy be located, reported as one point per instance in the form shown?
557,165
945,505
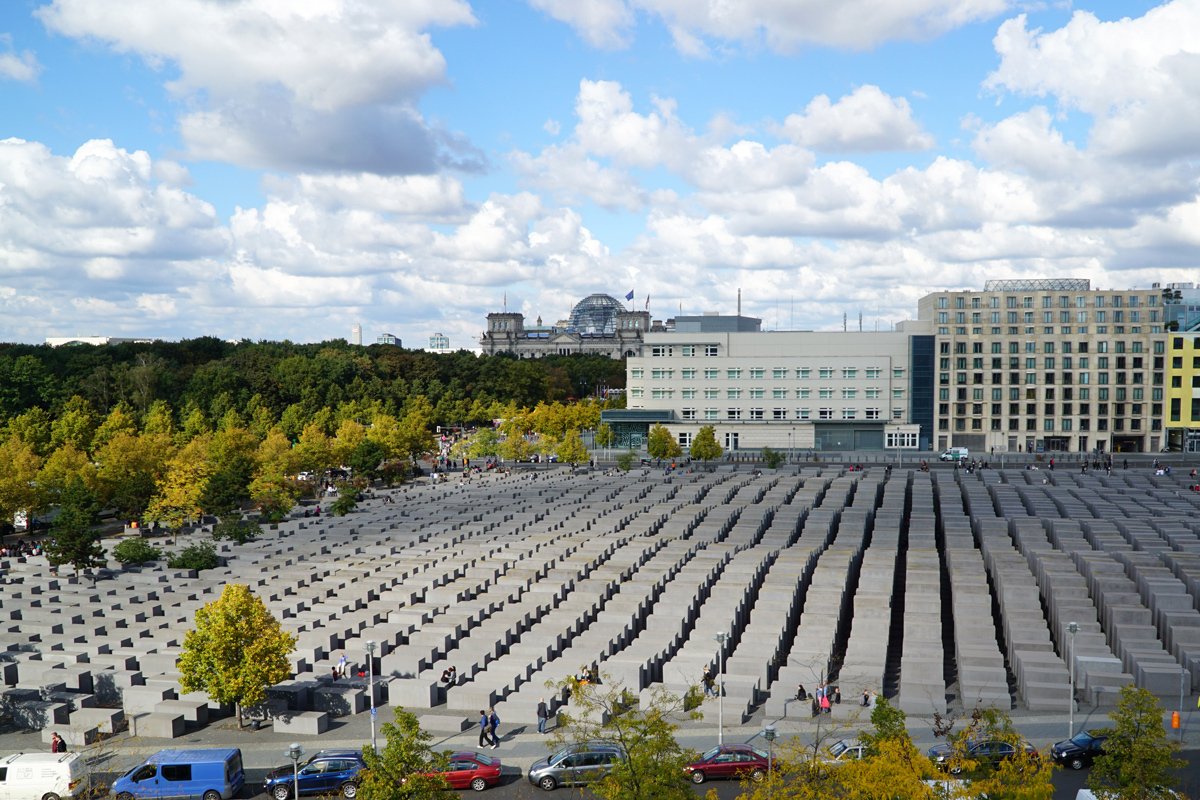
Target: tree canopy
1139,758
236,650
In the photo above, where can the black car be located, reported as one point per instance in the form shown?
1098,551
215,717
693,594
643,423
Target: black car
981,751
1080,750
327,772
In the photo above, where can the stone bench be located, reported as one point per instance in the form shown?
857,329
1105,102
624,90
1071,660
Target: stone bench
157,725
307,723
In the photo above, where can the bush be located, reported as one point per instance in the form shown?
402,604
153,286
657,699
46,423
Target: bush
625,461
198,556
136,551
772,459
236,529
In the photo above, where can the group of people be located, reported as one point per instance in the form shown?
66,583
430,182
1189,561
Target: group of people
489,722
57,744
824,698
449,676
20,548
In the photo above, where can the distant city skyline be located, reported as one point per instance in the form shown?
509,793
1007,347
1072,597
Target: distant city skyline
182,168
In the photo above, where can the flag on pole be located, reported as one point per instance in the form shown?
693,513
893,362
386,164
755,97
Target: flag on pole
630,295
647,302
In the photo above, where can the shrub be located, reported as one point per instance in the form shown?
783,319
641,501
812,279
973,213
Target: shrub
198,556
625,461
236,529
772,459
136,551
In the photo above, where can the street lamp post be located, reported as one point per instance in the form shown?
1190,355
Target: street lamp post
371,688
1182,674
294,752
721,638
769,735
1072,629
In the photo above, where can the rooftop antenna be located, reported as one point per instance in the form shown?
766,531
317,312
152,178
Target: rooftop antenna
860,321
506,302
843,322
739,302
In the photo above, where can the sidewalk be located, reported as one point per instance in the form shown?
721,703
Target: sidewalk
521,745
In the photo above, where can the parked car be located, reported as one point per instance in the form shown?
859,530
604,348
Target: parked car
49,776
470,770
981,751
575,765
842,751
326,772
203,774
955,454
1080,750
729,761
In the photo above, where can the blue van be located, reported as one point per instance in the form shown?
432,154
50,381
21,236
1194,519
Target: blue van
184,775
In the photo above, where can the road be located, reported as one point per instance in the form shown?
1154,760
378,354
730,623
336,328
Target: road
516,787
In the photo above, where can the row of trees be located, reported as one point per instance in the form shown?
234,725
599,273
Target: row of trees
213,377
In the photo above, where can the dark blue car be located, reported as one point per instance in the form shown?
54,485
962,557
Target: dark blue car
326,773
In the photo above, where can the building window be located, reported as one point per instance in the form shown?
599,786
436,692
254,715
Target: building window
662,394
688,413
688,394
636,392
872,413
733,394
901,439
898,394
733,373
849,394
710,413
711,394
711,374
733,413
825,392
872,373
757,393
849,413
871,393
849,373
778,413
636,373
685,438
803,373
662,374
778,394
688,374
897,413
803,394
825,413
756,413
710,350
660,351
756,373
803,413
898,373
779,373
826,373
688,351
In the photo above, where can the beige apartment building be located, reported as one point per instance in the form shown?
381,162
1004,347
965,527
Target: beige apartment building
1047,365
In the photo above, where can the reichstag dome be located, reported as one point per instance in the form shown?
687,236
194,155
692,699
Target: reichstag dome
595,315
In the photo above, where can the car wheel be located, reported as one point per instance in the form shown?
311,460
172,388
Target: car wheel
280,792
349,790
956,770
479,784
124,796
757,776
547,783
50,796
212,795
1076,763
697,776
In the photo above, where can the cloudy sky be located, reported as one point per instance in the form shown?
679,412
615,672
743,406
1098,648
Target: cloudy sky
271,169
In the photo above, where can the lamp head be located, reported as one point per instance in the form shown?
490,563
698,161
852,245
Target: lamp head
294,751
1073,627
371,646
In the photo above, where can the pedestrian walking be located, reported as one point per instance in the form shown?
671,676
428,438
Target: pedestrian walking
543,714
484,736
342,666
57,745
709,684
493,725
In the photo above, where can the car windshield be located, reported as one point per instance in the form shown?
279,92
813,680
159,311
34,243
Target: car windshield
710,754
1082,738
758,752
839,747
482,759
557,758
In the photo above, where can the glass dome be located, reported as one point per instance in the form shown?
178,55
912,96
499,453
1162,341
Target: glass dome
595,315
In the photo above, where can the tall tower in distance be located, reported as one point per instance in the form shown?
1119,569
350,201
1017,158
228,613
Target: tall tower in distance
356,335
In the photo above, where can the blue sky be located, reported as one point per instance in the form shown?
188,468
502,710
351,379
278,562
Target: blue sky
263,170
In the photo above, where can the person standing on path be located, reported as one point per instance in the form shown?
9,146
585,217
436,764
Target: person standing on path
493,725
543,714
57,745
483,730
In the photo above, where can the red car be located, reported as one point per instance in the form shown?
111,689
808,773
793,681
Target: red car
729,761
470,770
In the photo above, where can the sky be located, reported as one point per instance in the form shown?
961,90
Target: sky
268,169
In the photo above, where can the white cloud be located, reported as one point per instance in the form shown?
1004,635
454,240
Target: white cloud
330,84
783,25
14,66
1138,78
864,121
601,23
571,177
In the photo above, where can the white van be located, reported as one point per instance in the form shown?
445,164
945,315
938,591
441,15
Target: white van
41,776
955,454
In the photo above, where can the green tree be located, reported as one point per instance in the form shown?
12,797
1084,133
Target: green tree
704,446
178,499
347,500
130,466
661,444
18,490
367,458
136,551
196,556
73,539
1026,776
625,460
571,450
605,436
235,528
1139,758
406,768
772,459
236,650
607,712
